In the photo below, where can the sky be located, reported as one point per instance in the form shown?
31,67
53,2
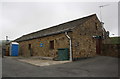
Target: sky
18,18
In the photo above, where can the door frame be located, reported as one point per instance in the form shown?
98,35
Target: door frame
98,46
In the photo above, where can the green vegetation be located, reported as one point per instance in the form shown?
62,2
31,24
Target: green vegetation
115,40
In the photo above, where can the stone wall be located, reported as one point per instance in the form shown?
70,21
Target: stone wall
84,45
111,50
111,47
7,50
60,41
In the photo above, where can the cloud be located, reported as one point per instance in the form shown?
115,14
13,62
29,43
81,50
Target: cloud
19,18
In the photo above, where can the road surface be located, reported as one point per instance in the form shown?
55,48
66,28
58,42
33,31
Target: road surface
100,66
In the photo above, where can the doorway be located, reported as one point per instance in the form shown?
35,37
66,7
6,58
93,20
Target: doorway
98,46
30,49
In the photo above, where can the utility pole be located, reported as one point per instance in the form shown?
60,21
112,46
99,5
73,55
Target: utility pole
4,47
101,16
101,10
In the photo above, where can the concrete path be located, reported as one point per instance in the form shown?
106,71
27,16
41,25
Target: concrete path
100,66
38,62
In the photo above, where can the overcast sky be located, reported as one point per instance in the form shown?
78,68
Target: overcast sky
20,18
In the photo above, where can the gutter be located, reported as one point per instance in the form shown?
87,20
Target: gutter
25,39
70,41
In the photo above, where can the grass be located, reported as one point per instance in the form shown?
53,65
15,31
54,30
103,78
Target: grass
115,40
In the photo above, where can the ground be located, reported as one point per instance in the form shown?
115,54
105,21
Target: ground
99,66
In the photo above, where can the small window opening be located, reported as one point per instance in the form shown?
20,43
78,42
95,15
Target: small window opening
52,44
96,26
29,46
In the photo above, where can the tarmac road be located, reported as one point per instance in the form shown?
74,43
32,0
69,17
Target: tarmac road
100,66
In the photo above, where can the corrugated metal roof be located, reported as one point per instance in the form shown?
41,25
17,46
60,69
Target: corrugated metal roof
55,29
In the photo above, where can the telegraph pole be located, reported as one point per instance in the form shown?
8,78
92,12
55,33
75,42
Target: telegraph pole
101,10
4,47
101,16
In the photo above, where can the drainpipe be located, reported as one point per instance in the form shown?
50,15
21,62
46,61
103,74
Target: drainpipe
70,45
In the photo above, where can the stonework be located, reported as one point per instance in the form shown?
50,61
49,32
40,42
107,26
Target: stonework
111,50
60,41
83,43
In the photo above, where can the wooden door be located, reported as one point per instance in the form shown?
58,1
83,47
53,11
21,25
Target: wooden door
30,49
98,46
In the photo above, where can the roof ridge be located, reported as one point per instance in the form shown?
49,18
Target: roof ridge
60,27
61,24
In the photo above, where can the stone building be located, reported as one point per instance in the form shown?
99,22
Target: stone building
84,34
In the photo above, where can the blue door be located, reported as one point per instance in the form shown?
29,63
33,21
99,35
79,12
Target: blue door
14,51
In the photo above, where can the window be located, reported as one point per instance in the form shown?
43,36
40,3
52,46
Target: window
29,46
52,44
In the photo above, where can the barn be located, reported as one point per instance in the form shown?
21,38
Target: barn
81,38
